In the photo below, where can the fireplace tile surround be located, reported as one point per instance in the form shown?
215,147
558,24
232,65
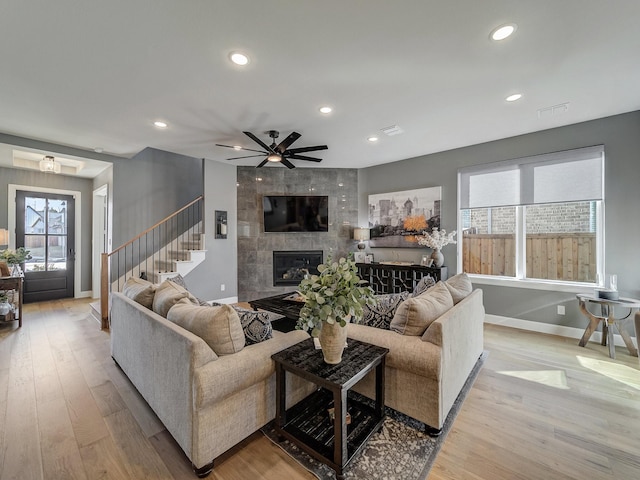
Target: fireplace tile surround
255,247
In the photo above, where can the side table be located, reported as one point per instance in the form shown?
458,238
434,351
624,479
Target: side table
14,283
609,320
308,424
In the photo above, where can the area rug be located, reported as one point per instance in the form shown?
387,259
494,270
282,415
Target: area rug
399,451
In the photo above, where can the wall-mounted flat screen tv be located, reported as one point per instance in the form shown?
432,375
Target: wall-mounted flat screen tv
296,213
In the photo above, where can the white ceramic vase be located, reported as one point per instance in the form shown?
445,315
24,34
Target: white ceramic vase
438,258
332,339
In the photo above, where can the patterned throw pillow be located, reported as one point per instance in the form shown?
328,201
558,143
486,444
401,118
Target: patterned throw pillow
179,280
256,325
423,285
381,314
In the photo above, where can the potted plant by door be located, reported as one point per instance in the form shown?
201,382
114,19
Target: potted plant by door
333,298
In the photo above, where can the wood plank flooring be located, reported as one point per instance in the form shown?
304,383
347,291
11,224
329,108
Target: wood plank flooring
541,408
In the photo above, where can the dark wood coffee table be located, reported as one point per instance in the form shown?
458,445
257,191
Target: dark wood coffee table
308,424
278,304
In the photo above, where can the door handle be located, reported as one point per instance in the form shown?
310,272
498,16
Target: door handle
72,254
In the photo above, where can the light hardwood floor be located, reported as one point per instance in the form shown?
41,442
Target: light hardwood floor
542,408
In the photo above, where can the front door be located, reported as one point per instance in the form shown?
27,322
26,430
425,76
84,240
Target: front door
45,226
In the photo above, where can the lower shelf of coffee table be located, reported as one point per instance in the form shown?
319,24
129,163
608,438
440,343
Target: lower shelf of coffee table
309,424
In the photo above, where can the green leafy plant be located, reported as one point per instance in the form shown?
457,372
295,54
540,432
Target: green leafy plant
17,256
336,295
3,297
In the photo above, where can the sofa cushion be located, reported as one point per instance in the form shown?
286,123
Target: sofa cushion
219,326
167,295
415,315
140,291
179,280
423,285
256,325
459,286
381,314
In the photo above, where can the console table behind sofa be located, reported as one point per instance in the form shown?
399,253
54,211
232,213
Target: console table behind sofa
385,278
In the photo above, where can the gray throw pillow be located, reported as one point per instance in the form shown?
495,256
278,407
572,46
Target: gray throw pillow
381,314
423,285
459,287
255,324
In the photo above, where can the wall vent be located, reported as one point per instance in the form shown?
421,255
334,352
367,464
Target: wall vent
392,130
553,111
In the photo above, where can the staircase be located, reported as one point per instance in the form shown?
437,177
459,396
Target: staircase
173,246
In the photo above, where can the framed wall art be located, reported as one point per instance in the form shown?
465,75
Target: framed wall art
395,218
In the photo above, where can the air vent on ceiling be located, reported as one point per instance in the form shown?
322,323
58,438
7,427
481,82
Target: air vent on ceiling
392,130
553,111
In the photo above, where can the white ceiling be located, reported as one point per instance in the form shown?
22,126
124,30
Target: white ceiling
96,74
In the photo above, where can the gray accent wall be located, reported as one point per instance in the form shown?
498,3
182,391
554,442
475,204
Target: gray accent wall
620,135
255,247
149,187
221,264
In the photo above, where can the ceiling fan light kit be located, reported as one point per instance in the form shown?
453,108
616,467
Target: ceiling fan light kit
280,153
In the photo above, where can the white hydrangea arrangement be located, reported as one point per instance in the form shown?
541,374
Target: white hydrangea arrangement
437,238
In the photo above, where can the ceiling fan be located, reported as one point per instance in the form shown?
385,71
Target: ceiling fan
280,153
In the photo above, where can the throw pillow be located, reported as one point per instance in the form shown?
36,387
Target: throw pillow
381,314
179,280
167,295
140,291
256,325
415,315
459,286
423,285
219,326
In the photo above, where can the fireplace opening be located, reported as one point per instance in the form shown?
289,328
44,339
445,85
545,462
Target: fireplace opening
290,267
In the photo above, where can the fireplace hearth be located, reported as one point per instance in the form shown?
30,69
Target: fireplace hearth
290,267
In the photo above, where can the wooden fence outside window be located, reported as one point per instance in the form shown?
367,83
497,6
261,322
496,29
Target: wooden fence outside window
551,256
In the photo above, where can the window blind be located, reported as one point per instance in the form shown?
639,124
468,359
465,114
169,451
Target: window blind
568,176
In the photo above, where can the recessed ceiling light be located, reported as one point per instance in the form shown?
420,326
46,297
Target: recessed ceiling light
239,58
372,139
160,124
503,32
326,110
514,97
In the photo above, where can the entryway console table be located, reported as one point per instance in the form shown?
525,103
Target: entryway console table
396,277
14,284
608,320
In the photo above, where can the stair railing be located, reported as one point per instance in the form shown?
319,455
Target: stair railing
150,252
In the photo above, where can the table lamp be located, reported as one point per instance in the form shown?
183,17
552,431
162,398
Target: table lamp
362,235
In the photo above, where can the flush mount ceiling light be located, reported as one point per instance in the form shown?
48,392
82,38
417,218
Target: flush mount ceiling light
372,139
514,97
503,31
48,165
325,110
160,124
239,58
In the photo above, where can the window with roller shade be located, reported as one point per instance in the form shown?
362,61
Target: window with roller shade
534,218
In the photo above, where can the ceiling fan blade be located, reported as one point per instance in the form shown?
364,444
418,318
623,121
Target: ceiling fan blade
241,148
247,156
287,163
262,163
288,141
304,157
258,141
308,149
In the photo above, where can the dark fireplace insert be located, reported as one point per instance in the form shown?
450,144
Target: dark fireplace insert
290,267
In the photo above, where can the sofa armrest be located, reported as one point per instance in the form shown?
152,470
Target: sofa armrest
231,373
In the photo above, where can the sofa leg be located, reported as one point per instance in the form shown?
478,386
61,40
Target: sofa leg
203,471
432,432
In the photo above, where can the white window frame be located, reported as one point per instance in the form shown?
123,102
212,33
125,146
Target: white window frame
520,280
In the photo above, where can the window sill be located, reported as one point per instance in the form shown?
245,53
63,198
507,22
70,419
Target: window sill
533,284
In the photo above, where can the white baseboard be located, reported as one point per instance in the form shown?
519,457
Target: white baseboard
569,332
225,300
85,294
